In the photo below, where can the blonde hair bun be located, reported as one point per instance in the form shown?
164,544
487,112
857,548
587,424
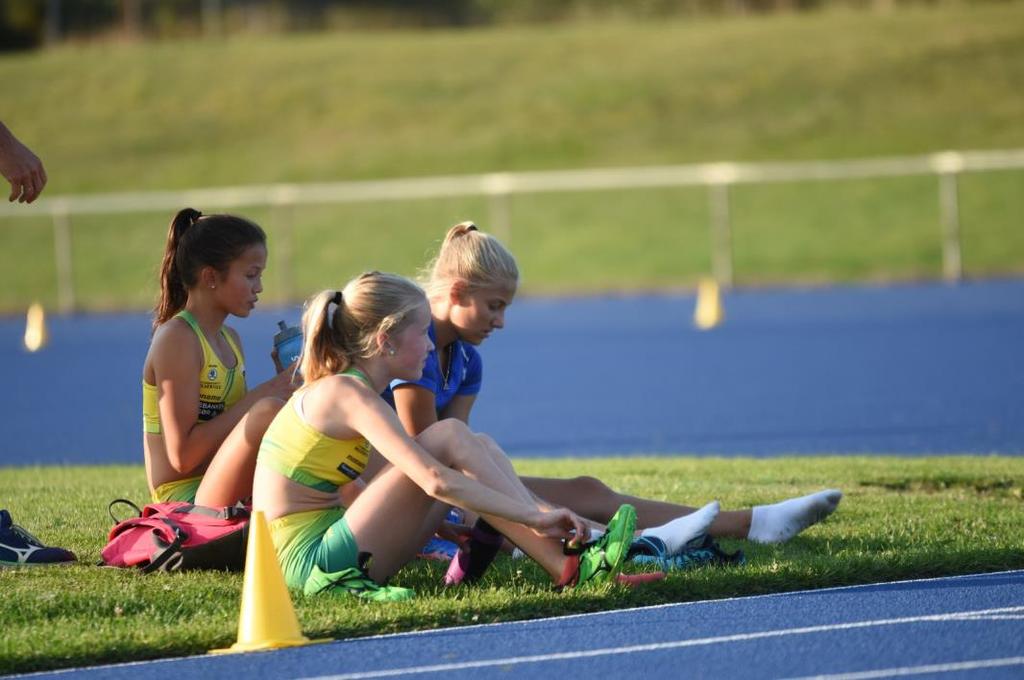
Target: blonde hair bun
473,257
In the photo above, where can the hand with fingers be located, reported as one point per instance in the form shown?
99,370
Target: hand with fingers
276,358
281,385
561,523
21,168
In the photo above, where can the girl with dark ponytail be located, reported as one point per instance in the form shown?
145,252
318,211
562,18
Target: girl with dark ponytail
201,427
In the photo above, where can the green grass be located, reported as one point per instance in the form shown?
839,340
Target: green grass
321,107
901,518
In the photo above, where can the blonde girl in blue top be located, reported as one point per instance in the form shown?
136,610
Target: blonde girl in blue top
471,283
201,425
357,341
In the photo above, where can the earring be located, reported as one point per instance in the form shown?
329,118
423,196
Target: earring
391,351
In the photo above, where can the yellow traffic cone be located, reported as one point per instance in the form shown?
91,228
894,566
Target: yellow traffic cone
267,619
709,312
36,335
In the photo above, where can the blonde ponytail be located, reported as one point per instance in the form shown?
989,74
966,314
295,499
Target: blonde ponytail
342,326
323,349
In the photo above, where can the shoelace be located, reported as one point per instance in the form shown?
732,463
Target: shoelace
33,544
24,535
355,579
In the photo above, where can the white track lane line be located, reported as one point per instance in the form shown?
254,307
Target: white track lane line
660,646
920,670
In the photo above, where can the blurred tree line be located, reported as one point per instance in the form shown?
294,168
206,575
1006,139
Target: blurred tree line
25,24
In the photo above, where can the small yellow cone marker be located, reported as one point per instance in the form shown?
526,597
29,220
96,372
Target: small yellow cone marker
36,335
267,619
709,312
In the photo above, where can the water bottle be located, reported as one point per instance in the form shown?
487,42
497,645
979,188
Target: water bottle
288,343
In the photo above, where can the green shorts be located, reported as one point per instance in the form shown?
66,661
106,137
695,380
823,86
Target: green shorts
179,490
319,537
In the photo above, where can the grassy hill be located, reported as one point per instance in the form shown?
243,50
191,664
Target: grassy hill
322,107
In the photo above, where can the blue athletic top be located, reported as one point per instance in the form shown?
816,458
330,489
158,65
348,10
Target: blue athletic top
465,374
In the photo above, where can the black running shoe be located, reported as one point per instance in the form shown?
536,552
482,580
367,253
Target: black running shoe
19,548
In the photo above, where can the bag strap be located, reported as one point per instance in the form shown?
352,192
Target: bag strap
165,551
122,501
231,512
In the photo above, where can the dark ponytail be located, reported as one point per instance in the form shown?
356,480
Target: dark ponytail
195,241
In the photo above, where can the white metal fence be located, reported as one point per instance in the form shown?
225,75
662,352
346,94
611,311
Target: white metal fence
498,187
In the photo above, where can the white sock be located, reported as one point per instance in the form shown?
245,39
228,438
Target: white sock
782,521
682,530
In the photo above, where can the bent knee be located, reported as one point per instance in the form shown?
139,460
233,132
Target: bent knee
486,440
445,440
436,440
443,432
491,447
591,486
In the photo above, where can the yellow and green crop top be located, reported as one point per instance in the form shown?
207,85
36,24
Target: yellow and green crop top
219,387
295,449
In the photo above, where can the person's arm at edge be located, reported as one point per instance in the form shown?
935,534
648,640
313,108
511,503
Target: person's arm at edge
20,167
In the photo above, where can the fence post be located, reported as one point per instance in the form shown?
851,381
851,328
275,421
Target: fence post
949,164
62,258
497,188
949,203
284,216
721,233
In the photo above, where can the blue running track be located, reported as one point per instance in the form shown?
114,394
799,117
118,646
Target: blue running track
908,369
961,627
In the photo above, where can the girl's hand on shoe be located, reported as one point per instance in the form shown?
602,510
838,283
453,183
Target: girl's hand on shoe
560,523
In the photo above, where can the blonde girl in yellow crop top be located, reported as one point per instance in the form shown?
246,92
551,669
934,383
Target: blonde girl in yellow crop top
201,427
356,342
